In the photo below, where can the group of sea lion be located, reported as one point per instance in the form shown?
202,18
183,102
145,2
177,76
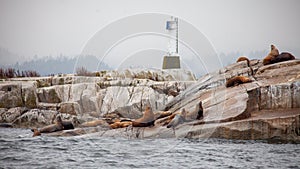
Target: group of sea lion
271,58
147,120
275,57
170,119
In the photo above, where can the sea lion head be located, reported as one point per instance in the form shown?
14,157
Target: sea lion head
148,108
272,47
58,119
59,122
148,114
200,105
274,50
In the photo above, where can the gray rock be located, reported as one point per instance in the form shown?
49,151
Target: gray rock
72,108
10,94
8,116
36,118
29,94
48,94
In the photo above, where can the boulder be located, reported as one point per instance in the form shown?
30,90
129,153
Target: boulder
11,95
72,108
29,94
49,94
36,118
121,98
9,116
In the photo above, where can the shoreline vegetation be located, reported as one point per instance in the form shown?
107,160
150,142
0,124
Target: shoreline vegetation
6,73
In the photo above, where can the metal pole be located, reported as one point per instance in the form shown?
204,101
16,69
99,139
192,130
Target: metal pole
176,19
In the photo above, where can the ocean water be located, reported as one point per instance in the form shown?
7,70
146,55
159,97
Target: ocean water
19,150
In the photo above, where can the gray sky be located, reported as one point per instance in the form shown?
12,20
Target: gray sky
54,27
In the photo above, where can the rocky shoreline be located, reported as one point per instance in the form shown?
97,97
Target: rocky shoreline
266,108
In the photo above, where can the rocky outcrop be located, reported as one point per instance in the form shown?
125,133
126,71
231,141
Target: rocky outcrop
269,106
123,93
266,108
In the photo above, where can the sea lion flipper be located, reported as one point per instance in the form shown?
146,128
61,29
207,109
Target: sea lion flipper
36,132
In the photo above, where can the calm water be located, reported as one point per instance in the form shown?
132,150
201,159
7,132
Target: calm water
19,150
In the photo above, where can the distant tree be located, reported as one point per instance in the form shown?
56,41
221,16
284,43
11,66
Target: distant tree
82,71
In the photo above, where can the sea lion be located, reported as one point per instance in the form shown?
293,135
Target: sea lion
271,56
94,123
177,119
148,119
58,126
284,56
197,114
166,120
120,124
235,81
162,114
68,125
244,58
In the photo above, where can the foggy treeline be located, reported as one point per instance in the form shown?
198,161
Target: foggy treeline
50,65
60,65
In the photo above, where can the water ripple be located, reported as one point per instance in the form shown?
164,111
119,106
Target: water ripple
19,150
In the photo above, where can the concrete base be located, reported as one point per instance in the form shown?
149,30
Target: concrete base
171,62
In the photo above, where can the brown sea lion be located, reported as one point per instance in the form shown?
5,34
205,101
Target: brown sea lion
169,118
68,124
176,120
244,58
271,56
284,56
148,119
58,126
162,114
120,124
36,132
235,81
197,114
94,123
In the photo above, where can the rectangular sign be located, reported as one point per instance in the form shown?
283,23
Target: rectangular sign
171,25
